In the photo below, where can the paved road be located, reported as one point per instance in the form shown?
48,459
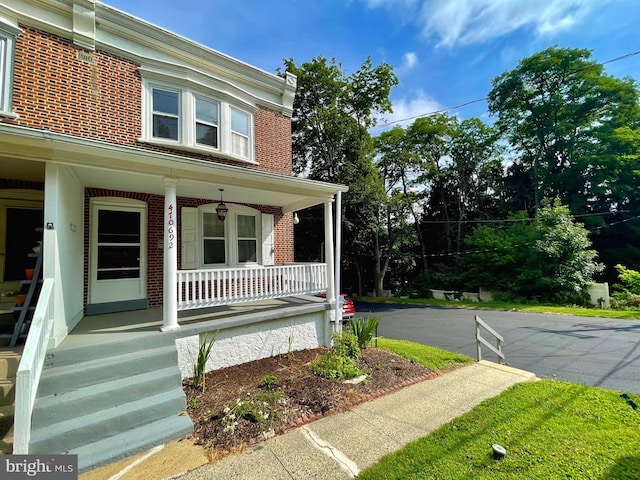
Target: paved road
593,351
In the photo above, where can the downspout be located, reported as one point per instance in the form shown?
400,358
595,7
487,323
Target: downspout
170,285
328,252
338,263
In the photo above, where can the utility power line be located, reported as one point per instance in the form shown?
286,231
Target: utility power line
477,100
515,220
495,249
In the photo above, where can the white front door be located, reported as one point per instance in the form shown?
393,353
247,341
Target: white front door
118,254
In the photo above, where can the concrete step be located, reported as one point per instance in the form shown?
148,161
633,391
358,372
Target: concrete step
9,361
59,380
78,431
53,408
6,429
7,392
134,441
73,355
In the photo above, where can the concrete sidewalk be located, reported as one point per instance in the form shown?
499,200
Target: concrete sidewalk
340,446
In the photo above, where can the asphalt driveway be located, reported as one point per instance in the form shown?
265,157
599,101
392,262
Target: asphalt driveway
594,351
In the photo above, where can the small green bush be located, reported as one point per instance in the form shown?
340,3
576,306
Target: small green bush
269,381
340,361
625,301
345,344
333,365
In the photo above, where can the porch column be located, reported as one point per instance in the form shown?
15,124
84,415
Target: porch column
338,263
170,286
328,254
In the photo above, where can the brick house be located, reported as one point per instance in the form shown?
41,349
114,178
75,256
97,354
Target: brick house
156,173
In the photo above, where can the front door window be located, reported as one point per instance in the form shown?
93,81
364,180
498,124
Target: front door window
119,243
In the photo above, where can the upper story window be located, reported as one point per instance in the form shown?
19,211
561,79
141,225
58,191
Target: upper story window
207,122
193,120
166,114
7,45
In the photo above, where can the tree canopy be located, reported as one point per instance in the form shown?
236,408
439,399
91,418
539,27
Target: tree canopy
433,203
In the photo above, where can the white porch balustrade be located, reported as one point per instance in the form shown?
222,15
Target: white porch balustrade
224,286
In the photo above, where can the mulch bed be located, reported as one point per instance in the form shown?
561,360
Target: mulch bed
302,395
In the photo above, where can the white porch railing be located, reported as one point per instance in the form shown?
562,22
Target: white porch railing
208,288
30,368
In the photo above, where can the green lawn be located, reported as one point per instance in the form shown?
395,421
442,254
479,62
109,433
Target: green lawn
550,430
567,310
431,357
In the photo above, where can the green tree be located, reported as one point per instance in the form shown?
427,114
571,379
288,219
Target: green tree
558,109
548,258
474,172
332,114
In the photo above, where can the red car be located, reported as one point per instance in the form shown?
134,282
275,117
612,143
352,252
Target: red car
348,308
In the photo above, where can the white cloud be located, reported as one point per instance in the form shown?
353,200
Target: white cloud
465,22
405,111
409,60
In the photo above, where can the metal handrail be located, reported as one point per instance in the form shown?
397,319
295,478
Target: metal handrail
482,341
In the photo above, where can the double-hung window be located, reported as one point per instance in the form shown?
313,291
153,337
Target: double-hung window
166,114
197,120
207,122
213,239
239,133
8,35
247,238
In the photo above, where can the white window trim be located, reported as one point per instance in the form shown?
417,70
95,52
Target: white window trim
187,136
231,235
8,34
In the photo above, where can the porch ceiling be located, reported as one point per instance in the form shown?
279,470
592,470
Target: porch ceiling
109,166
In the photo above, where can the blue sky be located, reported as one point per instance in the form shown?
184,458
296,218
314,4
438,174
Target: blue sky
444,52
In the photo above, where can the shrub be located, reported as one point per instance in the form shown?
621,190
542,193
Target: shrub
345,344
333,365
340,361
364,330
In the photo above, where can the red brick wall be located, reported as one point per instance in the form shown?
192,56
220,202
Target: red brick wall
273,141
55,90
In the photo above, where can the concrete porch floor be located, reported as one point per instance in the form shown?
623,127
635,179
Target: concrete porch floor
123,326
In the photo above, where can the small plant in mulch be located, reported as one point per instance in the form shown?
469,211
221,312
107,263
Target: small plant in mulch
199,366
269,382
364,330
340,361
261,409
